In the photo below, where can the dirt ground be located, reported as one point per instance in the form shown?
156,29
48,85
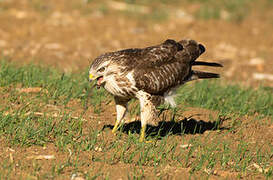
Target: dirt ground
69,35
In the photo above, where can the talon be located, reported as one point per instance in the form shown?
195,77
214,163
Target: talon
115,129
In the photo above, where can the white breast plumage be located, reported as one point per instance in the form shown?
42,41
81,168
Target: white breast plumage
112,86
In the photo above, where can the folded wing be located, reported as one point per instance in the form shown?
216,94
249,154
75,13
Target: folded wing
162,67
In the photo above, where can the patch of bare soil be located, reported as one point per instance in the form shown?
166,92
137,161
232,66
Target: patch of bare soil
26,159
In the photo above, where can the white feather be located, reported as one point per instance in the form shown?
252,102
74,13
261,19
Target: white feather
112,86
169,97
130,76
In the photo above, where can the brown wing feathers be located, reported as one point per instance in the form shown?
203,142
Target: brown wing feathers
169,64
191,51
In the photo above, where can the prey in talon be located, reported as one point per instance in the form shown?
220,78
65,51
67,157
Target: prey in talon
150,74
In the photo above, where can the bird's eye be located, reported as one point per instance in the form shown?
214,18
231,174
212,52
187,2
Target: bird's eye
101,69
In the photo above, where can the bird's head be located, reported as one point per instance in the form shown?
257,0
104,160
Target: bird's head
99,70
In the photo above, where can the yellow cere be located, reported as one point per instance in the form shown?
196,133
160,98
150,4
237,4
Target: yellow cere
91,76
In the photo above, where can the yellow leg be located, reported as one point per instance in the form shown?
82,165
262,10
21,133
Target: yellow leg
121,107
114,130
142,134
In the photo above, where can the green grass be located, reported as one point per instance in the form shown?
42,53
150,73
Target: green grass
61,87
160,10
231,10
21,126
228,99
236,10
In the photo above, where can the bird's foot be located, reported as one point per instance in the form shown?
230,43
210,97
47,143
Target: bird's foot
142,140
142,135
115,128
147,142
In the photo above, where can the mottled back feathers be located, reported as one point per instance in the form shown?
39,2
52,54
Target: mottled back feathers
168,66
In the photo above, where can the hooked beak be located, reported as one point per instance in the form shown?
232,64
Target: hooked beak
97,78
92,77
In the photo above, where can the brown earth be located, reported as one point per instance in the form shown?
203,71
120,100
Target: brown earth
68,35
25,160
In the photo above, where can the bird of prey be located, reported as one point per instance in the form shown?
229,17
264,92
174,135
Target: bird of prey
150,74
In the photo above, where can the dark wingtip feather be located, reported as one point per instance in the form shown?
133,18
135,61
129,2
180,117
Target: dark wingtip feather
205,75
202,48
174,43
179,47
201,63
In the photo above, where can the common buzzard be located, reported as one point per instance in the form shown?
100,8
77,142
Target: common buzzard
150,74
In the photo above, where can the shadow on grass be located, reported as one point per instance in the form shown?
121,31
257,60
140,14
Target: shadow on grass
164,128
